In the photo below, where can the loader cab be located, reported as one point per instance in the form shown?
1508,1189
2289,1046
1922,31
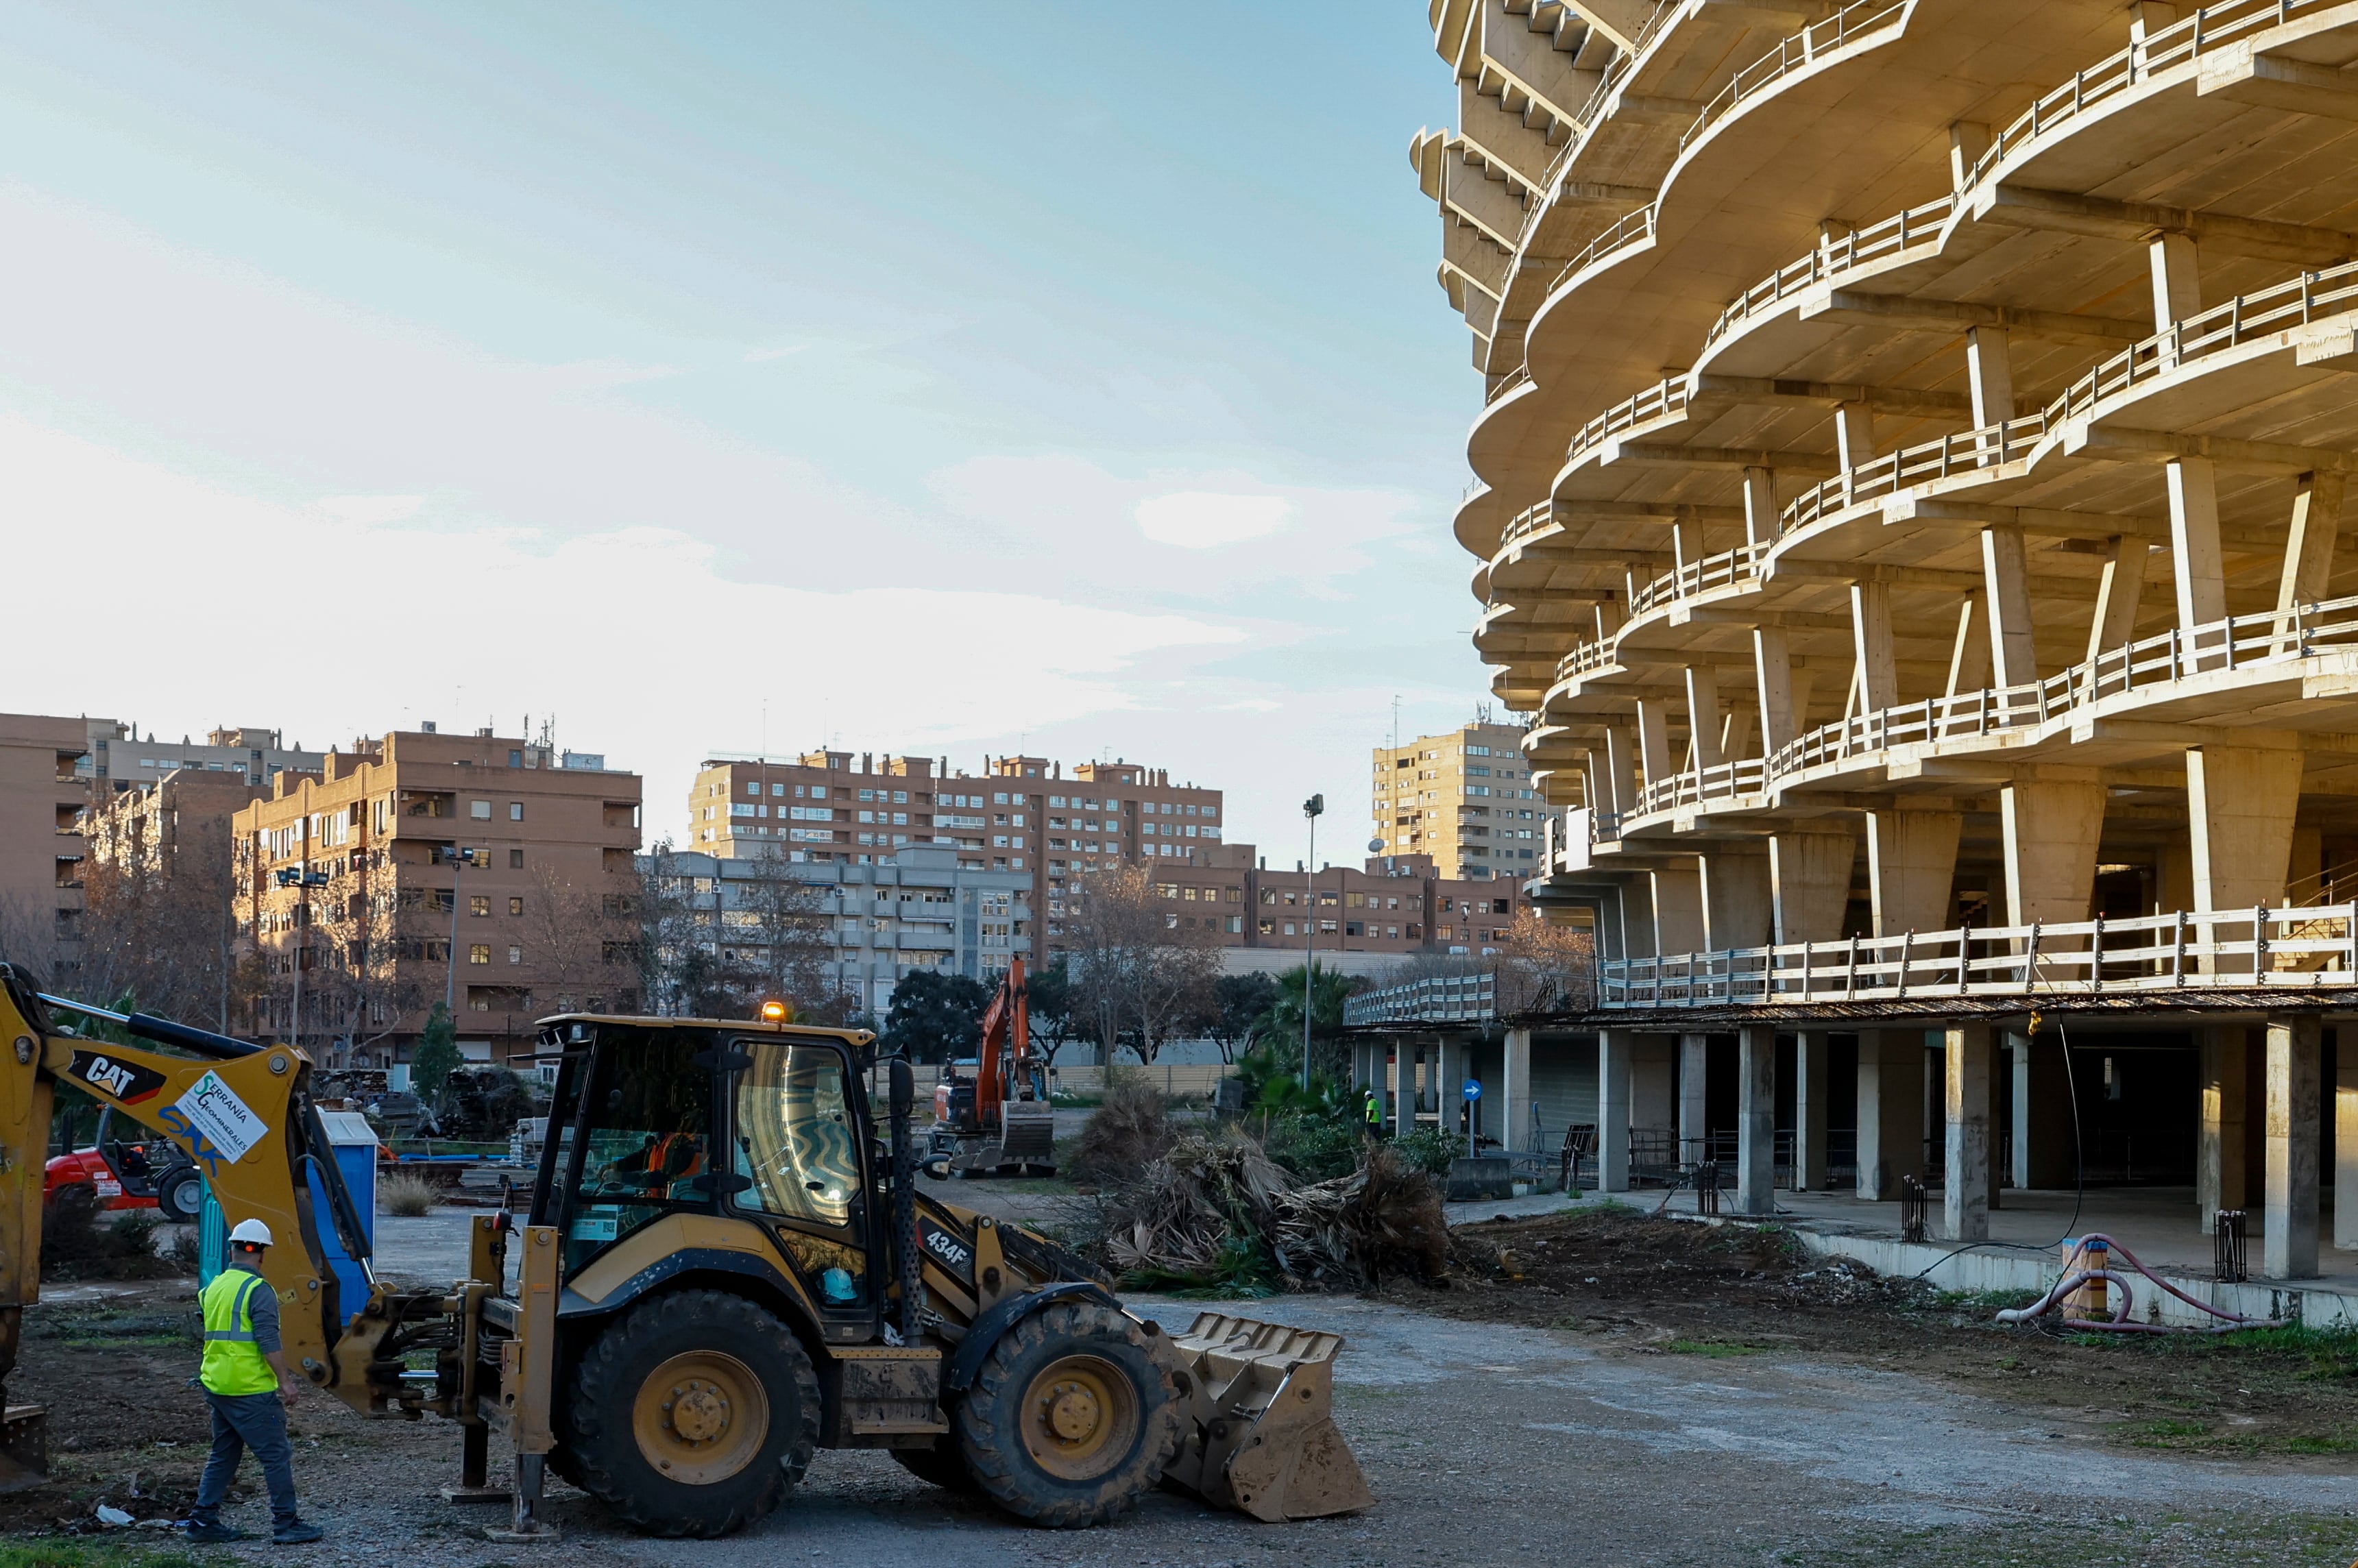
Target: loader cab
720,1126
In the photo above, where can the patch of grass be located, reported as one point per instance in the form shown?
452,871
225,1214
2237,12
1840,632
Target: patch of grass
408,1195
1717,1350
112,1330
1989,1301
2310,1442
65,1553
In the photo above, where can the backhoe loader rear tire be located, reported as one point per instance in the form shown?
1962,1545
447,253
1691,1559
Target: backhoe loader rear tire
692,1414
1070,1421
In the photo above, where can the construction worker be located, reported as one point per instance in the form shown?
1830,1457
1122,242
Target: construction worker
245,1382
1374,1111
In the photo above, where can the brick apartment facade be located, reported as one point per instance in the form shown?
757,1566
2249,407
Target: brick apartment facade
535,920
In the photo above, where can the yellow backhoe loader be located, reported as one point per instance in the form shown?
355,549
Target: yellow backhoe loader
726,1264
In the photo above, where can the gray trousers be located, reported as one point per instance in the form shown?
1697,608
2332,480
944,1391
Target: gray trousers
242,1422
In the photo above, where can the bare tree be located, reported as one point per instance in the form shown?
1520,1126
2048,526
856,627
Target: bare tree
792,935
1139,974
1546,969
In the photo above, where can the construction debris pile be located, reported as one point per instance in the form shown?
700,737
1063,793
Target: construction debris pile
1218,1211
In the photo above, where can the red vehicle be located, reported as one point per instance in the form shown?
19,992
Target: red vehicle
112,1173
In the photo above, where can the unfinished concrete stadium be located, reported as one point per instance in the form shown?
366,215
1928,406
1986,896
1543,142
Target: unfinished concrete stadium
1906,508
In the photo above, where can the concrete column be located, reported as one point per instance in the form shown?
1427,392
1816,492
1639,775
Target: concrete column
2118,590
2043,1152
1735,738
2013,657
1678,911
2240,801
2052,828
1637,909
1614,1049
1654,739
1444,1061
1622,771
1989,374
1703,718
1911,867
1737,905
2221,1147
1809,1087
2345,1140
1853,434
2308,545
1969,654
1652,1104
1966,1203
2176,279
1772,661
1870,625
1808,883
1890,1110
1968,139
1694,1077
1755,1120
1515,1093
1761,517
2195,563
2294,1114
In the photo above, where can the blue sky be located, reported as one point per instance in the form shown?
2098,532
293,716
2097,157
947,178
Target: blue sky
938,379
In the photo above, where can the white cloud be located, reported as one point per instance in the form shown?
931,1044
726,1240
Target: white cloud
1249,705
1204,520
371,510
636,639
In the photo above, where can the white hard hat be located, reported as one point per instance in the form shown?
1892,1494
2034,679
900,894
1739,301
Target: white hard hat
252,1230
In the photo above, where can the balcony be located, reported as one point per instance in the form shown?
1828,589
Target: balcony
2296,949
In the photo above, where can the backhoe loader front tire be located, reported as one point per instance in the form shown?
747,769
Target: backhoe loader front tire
692,1414
1069,1422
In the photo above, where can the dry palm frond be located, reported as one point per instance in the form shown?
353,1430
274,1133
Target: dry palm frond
1131,1131
1219,1209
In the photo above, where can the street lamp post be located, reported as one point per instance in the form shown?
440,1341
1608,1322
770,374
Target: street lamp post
460,860
302,878
1312,808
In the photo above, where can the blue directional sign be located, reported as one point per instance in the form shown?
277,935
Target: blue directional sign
1473,1089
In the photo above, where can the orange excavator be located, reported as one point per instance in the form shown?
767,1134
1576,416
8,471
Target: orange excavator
998,1123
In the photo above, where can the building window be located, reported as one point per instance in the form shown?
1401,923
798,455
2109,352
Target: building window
516,906
516,954
481,810
515,811
477,903
515,858
480,952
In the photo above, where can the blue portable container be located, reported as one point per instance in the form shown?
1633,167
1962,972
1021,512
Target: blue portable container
355,1144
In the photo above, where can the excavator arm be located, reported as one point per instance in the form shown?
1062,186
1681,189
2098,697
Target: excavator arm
244,1114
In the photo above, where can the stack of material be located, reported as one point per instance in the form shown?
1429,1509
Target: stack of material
1218,1211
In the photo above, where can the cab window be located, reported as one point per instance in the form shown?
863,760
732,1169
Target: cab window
645,1108
797,1141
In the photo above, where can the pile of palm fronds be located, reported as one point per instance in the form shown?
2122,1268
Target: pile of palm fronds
1219,1212
1129,1131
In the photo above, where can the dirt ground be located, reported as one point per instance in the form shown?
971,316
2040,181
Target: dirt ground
1647,1393
1636,1285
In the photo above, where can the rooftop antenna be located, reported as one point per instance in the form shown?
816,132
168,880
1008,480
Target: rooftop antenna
1395,722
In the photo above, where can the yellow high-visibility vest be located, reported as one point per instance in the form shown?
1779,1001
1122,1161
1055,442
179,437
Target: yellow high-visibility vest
233,1363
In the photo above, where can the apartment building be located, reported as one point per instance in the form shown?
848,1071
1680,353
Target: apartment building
1394,904
917,907
1908,482
42,794
1020,814
159,825
1466,799
421,866
118,758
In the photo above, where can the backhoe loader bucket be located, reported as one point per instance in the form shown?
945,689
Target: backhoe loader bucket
1261,1435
